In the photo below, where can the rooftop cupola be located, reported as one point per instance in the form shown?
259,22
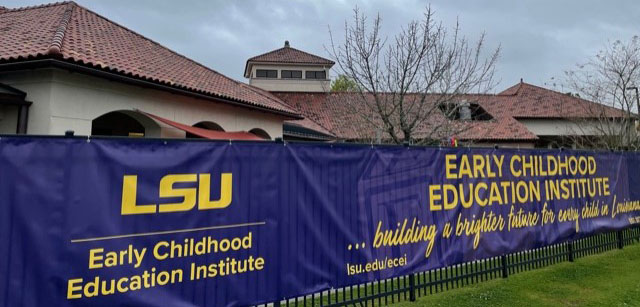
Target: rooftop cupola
289,70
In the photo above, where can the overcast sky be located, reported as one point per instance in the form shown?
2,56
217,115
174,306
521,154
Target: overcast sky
539,39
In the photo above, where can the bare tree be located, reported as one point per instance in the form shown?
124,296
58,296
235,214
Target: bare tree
609,79
404,82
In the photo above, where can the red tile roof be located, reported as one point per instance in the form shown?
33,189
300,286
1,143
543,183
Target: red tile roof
287,55
70,32
530,101
335,113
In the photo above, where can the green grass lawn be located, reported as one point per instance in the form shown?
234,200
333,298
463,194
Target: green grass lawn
607,279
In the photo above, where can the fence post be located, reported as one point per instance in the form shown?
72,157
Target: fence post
620,241
505,268
570,250
412,287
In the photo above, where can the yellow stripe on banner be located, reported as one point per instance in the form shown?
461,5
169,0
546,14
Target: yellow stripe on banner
144,234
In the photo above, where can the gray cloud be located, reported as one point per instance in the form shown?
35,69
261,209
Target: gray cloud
539,39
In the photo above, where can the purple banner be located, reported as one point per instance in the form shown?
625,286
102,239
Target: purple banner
180,223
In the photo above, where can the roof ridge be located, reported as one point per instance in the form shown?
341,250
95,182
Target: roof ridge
540,87
268,52
154,42
31,7
311,54
565,95
281,48
550,90
523,84
173,52
506,92
58,36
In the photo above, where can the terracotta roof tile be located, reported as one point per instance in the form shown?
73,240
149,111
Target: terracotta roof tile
334,112
287,55
73,33
530,101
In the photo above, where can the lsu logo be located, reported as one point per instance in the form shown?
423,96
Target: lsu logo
189,195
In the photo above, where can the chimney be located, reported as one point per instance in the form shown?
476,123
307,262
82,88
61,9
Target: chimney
465,110
286,43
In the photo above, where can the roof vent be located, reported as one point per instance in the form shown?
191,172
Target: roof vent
286,43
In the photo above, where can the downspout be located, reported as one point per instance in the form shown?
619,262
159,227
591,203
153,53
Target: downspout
23,118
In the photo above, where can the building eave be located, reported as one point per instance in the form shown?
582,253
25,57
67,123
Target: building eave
292,129
46,62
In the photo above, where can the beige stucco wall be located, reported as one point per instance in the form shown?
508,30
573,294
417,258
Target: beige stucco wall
291,85
70,101
37,84
559,127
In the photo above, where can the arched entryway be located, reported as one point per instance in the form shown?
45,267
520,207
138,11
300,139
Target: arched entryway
260,133
125,123
205,125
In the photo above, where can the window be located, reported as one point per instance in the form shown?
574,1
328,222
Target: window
266,73
465,111
291,74
312,74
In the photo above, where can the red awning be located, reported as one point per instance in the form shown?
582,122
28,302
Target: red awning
206,133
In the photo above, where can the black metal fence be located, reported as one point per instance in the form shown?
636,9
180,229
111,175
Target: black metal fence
409,287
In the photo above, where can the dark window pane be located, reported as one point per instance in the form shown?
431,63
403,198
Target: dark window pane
297,74
266,73
310,74
315,74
